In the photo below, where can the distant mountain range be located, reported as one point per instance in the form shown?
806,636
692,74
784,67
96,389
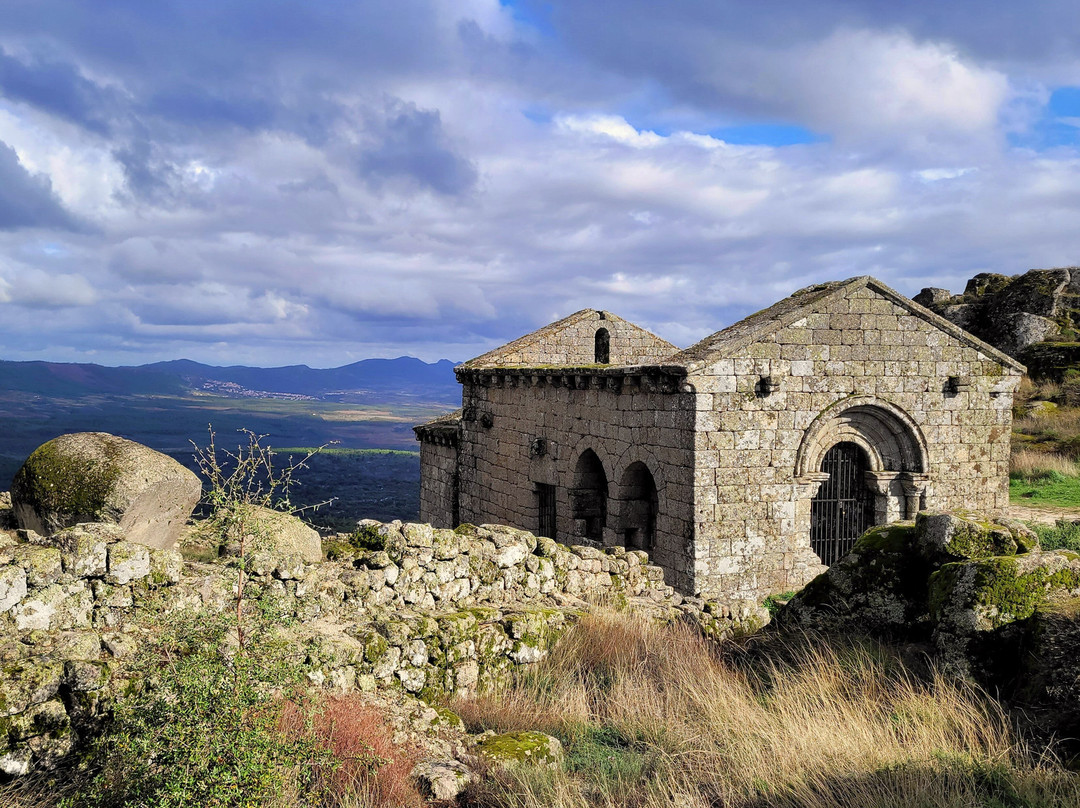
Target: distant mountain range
364,381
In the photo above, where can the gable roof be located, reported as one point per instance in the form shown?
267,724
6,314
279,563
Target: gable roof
806,301
564,343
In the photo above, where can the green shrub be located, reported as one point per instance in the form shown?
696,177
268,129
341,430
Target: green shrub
1065,535
199,723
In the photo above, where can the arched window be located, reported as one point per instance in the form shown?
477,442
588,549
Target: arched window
602,347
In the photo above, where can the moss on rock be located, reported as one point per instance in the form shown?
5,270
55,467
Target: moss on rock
76,488
1001,589
522,747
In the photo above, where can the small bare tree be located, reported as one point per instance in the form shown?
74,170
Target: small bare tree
240,483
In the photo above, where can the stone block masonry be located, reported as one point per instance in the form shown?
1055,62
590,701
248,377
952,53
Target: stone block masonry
748,462
400,606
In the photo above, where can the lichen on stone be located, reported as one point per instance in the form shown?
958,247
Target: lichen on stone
522,747
77,487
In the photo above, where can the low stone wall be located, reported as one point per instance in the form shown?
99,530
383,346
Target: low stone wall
397,606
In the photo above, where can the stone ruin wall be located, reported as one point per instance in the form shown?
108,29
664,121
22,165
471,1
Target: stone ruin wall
622,420
434,611
751,515
439,481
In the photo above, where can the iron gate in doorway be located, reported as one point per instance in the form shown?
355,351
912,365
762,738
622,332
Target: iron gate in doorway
843,508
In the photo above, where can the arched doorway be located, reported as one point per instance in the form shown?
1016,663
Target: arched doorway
843,507
637,528
861,463
589,497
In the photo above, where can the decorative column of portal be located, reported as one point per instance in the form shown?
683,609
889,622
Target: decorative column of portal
808,486
914,487
887,503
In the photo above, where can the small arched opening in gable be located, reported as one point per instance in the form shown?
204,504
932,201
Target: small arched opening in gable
602,347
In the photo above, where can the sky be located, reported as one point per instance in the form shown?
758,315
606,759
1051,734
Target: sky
271,182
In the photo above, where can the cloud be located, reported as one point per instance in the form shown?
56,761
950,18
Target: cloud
59,89
28,200
305,182
36,289
412,146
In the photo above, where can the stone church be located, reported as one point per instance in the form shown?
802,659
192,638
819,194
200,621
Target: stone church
743,465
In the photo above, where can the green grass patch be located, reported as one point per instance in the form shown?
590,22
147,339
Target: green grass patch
1065,535
609,758
1052,488
337,451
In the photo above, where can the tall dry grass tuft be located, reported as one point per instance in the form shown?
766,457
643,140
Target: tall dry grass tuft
370,770
1032,465
652,716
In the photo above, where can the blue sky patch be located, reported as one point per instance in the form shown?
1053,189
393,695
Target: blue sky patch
535,15
767,134
1059,125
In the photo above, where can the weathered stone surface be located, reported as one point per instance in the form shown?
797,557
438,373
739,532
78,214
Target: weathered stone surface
884,585
84,548
522,747
12,586
880,587
976,603
7,515
277,536
959,536
42,564
442,779
1012,313
127,562
166,567
1049,672
96,477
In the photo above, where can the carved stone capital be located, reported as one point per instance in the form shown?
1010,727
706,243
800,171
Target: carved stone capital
811,482
914,484
880,481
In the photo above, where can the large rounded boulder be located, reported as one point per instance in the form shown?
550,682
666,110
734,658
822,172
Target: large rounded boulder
272,535
97,477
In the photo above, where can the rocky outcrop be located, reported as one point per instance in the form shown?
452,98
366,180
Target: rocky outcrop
884,585
991,603
1014,313
97,477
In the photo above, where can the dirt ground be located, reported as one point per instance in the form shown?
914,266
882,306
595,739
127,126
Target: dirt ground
1046,515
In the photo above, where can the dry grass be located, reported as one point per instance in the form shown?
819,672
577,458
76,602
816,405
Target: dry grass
651,716
371,770
1032,465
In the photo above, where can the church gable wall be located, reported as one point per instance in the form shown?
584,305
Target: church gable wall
880,375
575,343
